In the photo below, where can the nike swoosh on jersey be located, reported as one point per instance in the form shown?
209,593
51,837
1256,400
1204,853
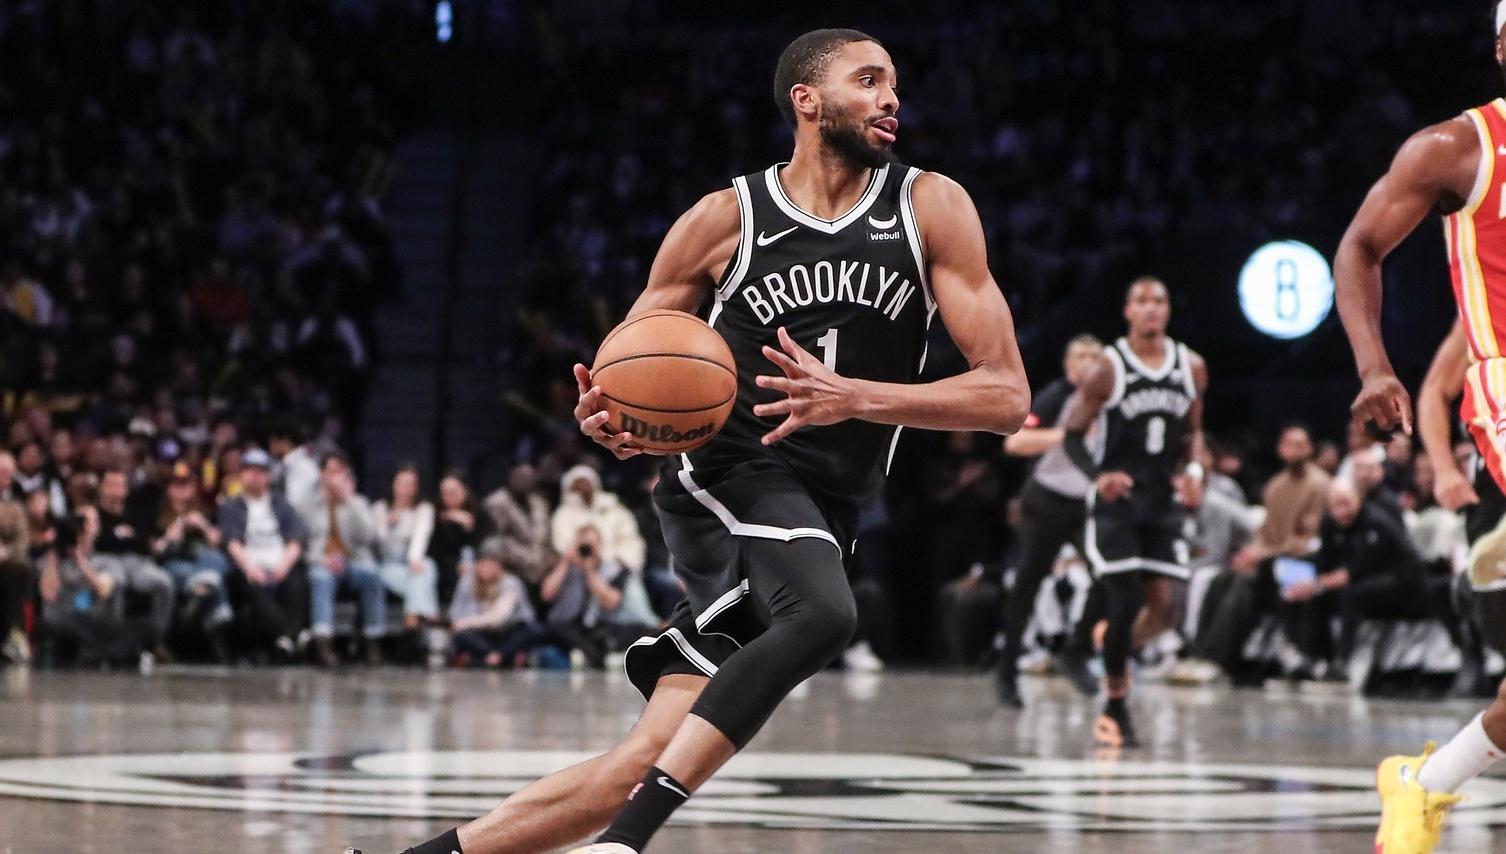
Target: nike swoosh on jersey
664,781
882,224
764,238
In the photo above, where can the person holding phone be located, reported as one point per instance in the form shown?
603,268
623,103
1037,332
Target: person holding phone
582,590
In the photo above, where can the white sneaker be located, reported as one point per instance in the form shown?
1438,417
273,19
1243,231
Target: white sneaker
17,648
603,848
147,663
859,658
1194,671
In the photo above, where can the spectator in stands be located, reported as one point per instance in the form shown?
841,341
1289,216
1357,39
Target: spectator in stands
82,605
264,537
404,526
227,475
583,502
520,518
458,533
1217,481
962,507
1222,526
1367,473
122,549
187,544
1438,534
30,475
342,543
1328,458
583,589
492,618
1294,502
16,579
296,474
9,491
1366,568
41,527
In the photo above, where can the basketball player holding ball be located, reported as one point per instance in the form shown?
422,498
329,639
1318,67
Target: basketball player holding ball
822,275
1455,168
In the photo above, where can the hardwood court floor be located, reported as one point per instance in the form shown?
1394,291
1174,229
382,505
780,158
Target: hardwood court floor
302,761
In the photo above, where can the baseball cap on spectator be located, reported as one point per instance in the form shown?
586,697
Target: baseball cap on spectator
256,458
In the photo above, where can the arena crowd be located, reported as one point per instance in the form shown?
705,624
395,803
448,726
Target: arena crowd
194,248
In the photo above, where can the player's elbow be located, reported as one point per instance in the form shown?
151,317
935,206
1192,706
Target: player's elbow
1012,409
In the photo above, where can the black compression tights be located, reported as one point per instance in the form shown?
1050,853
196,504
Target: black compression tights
800,589
1490,605
1124,596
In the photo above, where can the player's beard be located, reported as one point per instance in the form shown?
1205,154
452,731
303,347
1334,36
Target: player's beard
844,138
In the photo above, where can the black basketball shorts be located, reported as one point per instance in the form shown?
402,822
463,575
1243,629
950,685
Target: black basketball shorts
708,517
1128,536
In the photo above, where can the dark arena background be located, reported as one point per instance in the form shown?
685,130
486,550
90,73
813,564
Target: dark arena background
346,253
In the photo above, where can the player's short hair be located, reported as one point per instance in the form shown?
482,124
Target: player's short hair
1086,339
1145,280
806,60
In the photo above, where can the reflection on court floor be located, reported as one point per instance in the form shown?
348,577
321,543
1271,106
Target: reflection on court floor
872,763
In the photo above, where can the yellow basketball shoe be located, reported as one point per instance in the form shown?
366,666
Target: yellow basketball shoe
1411,816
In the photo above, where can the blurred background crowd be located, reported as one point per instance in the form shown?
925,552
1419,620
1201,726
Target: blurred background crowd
197,240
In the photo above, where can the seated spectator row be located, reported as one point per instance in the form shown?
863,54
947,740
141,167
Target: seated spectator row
179,558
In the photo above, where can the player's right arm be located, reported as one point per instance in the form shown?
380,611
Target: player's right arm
1078,417
1440,388
691,259
1032,441
1435,167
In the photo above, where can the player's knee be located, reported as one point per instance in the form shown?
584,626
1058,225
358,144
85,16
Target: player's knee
828,626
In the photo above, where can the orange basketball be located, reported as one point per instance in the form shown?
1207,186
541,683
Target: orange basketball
667,378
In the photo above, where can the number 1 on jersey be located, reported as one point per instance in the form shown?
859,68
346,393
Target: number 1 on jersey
828,345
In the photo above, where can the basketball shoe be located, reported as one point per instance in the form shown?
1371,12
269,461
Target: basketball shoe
1411,816
604,848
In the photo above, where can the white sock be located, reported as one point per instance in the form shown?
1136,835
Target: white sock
1468,755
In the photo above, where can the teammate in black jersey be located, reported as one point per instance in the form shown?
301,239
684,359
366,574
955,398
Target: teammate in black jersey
822,275
1148,389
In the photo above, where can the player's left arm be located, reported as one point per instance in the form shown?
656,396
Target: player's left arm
992,395
1196,442
1189,480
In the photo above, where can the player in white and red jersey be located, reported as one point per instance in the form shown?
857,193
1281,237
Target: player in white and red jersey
1457,168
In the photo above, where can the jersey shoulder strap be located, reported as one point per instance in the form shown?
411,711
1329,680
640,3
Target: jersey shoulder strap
738,266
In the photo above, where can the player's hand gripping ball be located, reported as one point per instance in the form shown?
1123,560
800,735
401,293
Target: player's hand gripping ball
667,383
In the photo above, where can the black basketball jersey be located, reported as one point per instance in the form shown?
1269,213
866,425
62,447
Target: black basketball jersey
852,291
1145,421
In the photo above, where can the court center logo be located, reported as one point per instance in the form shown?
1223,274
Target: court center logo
844,791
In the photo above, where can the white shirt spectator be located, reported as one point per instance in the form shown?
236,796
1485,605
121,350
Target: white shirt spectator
299,476
582,503
264,543
406,538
